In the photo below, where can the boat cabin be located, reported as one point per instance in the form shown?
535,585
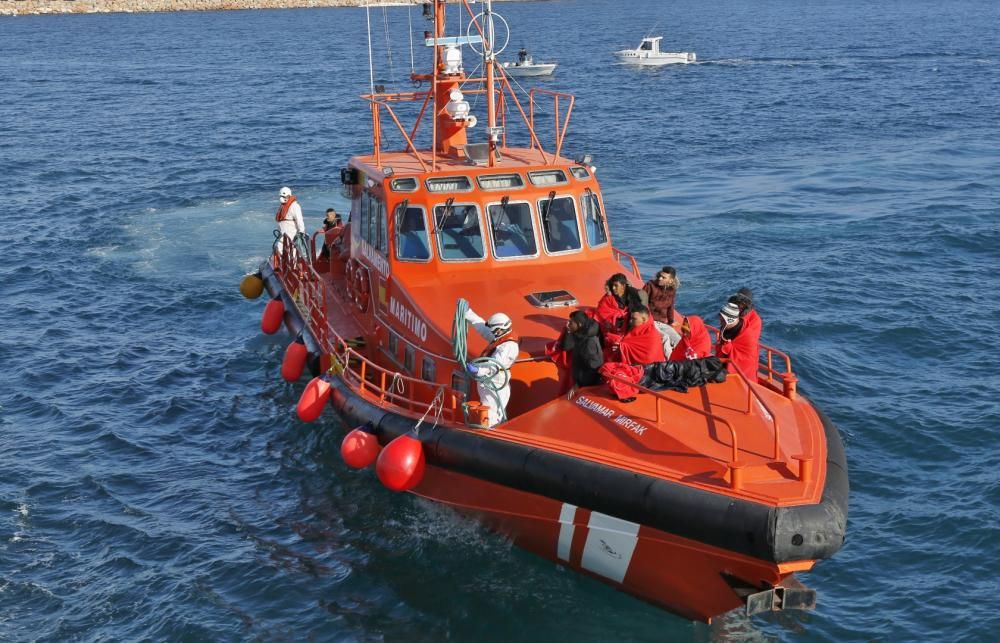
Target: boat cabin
522,232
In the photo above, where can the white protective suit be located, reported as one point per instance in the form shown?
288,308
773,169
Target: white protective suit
506,354
292,224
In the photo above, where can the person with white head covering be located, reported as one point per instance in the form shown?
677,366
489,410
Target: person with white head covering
493,379
739,335
288,216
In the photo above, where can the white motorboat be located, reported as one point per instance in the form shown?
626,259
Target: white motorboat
648,53
526,66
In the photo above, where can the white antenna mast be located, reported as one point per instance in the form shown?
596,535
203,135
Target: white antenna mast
371,67
409,20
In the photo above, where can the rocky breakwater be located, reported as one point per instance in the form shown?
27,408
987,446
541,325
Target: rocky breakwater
36,7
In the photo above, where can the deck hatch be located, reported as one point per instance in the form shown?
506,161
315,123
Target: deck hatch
552,299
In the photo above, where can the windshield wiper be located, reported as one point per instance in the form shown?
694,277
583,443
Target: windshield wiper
439,218
598,215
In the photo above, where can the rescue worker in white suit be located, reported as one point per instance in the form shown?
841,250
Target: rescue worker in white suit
288,217
504,348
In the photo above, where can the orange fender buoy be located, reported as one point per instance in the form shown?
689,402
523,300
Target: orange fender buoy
401,464
294,361
252,286
360,448
274,313
313,399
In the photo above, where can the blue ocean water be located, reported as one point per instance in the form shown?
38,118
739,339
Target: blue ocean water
839,158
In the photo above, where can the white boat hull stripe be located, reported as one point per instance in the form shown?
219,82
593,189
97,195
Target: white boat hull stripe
610,545
566,529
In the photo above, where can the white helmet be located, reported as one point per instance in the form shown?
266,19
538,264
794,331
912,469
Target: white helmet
500,324
284,193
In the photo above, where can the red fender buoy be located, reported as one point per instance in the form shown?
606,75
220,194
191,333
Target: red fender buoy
359,448
313,399
295,361
400,466
274,313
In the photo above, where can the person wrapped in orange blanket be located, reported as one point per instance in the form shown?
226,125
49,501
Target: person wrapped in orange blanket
641,345
739,334
695,342
615,308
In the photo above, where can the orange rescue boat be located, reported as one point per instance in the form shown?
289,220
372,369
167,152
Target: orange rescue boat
702,502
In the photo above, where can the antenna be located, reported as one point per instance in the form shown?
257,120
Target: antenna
371,67
409,21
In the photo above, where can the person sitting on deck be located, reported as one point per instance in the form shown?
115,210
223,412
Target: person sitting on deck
640,346
613,309
695,342
578,351
739,335
662,292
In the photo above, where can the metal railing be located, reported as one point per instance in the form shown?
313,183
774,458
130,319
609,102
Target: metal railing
734,465
619,255
372,381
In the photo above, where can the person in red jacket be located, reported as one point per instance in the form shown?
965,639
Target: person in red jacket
695,342
739,336
640,346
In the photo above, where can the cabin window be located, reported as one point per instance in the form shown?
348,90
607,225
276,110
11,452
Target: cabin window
593,219
406,184
427,370
363,216
580,172
381,228
512,229
411,235
500,181
449,184
408,358
393,345
547,177
646,46
559,227
458,232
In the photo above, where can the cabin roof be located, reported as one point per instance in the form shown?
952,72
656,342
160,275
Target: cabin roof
511,158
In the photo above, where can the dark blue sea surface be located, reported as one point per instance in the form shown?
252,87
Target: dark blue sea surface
840,158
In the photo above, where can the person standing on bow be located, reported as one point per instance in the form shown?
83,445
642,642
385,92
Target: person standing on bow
493,377
289,218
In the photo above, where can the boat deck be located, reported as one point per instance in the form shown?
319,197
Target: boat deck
686,437
685,444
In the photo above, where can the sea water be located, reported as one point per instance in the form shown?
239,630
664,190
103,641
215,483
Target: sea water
839,158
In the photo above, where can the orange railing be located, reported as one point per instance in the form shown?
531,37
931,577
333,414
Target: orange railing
783,381
734,465
372,381
561,121
619,255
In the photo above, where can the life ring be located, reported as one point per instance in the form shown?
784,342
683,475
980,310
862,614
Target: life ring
362,289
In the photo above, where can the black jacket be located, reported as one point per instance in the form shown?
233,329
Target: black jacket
587,354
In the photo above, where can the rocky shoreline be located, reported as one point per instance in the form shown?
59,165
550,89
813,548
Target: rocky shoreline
39,7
